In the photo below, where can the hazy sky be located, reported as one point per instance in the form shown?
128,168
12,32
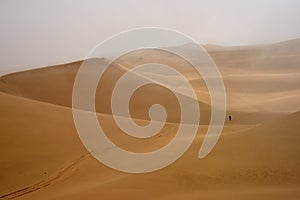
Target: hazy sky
37,33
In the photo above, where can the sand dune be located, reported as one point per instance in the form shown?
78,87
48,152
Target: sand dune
257,156
55,85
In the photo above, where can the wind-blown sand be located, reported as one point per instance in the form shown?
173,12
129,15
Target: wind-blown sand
257,156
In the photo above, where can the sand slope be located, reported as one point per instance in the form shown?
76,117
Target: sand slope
49,157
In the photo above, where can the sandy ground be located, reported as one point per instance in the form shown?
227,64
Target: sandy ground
257,156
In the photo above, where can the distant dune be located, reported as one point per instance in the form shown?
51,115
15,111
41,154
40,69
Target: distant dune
257,156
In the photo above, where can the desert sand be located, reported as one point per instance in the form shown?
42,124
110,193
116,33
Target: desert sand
257,156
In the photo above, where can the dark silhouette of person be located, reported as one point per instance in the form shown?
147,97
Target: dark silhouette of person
229,117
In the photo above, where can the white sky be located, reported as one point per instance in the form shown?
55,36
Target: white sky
38,33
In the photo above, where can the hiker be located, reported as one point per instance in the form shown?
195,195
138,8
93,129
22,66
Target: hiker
229,117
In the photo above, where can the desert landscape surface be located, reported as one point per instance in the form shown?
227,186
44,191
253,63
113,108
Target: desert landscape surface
256,157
